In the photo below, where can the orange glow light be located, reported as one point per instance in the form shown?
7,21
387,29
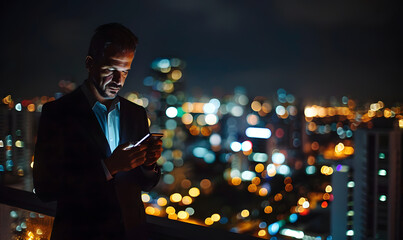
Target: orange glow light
259,168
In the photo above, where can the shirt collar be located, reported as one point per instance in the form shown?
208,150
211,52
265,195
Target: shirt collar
93,101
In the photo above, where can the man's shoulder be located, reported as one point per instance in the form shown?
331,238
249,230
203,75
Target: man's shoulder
66,101
124,103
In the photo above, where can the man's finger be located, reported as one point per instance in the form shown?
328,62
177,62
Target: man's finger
140,154
155,143
125,146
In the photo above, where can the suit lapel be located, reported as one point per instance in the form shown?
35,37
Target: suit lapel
123,134
131,123
91,125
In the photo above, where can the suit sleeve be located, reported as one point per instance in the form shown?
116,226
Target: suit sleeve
149,177
64,165
47,156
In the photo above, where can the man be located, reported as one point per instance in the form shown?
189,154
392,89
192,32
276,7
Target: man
82,155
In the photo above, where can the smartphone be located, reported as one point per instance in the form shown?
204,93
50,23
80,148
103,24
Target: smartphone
149,136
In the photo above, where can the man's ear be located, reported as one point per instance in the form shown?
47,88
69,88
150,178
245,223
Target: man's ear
89,63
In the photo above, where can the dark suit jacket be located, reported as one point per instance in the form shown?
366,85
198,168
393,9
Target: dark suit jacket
68,169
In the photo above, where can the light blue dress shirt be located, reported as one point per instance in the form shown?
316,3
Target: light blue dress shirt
109,120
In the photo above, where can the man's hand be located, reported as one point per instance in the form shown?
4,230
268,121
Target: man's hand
123,159
154,151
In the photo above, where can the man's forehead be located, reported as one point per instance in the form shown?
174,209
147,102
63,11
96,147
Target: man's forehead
120,58
115,50
118,61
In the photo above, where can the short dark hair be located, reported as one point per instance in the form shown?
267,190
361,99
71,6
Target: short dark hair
111,34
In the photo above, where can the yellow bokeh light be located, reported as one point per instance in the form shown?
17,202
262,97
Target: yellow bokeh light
19,144
339,148
259,168
145,197
271,172
236,181
183,215
170,210
329,171
371,113
173,216
300,209
301,200
261,233
150,210
165,70
401,123
198,107
245,213
252,188
326,170
381,104
312,126
323,169
322,112
331,111
7,100
208,221
176,197
176,74
31,234
387,113
256,106
263,192
268,209
311,111
157,212
162,201
328,189
177,154
168,87
194,192
187,200
187,118
348,150
215,217
39,231
187,107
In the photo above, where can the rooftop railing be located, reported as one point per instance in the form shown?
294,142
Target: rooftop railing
161,228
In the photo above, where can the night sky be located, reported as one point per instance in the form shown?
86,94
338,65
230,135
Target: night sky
313,49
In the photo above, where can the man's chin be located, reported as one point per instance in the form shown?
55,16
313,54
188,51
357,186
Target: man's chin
109,95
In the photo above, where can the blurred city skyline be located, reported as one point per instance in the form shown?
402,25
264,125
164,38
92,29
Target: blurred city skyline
312,49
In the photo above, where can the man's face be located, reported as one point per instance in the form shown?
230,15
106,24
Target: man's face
109,73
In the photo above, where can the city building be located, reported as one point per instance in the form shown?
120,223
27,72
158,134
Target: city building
368,187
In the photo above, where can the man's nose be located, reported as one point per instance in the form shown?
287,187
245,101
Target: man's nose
118,77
